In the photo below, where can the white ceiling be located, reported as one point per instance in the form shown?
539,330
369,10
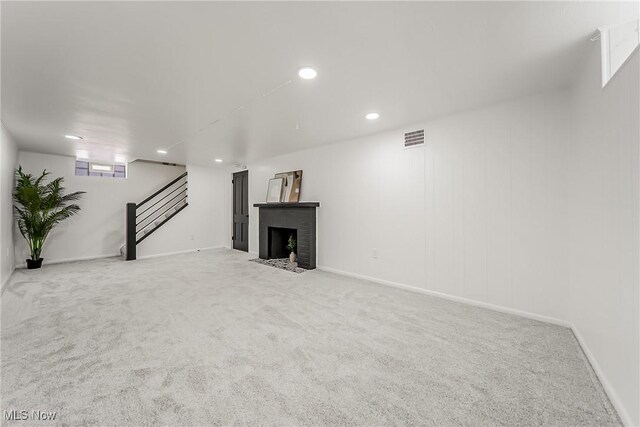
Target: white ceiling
134,77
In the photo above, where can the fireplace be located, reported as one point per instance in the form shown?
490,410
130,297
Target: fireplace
278,221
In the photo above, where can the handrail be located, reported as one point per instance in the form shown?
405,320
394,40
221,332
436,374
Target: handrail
160,225
160,216
161,190
165,204
179,187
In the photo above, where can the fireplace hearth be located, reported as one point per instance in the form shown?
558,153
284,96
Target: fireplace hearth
278,221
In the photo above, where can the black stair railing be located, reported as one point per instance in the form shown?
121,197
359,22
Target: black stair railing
144,218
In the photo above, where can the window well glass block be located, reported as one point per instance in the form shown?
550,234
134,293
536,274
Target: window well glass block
83,168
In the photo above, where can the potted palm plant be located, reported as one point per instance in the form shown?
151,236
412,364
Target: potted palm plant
291,245
39,207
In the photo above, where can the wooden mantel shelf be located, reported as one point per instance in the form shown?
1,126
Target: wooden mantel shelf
288,205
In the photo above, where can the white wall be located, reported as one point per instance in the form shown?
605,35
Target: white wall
604,191
478,213
98,230
496,205
8,163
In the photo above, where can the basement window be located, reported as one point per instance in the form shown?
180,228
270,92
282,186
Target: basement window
108,170
616,46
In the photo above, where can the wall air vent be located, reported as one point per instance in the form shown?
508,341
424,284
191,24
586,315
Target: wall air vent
414,139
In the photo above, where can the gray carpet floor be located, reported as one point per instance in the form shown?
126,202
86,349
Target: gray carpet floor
209,338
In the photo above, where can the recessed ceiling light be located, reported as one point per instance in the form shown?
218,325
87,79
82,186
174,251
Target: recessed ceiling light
72,137
218,160
161,151
372,116
307,73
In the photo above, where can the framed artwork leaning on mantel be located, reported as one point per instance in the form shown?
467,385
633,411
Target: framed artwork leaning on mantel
291,186
274,190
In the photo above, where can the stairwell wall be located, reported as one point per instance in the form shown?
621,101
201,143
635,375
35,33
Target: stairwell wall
202,224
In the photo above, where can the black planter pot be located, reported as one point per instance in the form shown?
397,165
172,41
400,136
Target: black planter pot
34,263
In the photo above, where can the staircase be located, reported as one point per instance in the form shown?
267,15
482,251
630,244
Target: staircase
146,217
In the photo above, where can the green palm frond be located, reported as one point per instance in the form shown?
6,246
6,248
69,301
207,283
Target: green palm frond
39,207
40,178
72,197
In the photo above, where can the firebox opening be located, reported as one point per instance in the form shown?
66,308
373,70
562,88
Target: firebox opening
278,239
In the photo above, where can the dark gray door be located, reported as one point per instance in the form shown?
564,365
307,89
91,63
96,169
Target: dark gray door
241,211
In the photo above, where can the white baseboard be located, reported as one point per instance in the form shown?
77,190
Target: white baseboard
611,393
186,251
61,261
463,300
90,257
